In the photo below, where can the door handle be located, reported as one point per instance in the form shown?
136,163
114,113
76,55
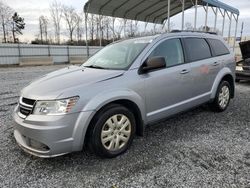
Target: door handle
185,71
216,63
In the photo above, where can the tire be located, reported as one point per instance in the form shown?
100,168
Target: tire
223,94
107,138
237,80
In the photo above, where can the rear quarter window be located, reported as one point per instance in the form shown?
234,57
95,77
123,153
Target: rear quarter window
218,48
197,49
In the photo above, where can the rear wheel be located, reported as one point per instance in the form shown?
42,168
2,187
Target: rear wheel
222,98
112,131
237,80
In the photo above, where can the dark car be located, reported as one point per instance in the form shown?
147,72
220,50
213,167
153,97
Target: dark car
243,66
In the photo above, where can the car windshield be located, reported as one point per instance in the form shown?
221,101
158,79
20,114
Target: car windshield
119,55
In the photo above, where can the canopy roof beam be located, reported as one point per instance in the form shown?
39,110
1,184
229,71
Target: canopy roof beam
154,11
160,11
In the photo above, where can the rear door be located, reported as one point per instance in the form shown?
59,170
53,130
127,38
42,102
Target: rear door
221,57
204,67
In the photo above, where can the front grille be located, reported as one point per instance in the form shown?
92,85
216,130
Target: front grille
26,106
28,101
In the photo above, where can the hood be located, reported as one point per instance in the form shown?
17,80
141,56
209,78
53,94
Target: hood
54,84
245,49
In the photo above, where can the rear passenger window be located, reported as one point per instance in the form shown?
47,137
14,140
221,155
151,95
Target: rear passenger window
218,47
171,50
197,49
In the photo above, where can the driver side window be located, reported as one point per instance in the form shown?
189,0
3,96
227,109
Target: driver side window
171,50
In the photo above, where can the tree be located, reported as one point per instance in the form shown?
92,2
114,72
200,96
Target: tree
43,28
118,28
188,26
5,19
17,26
132,28
91,26
79,28
56,15
204,28
71,18
106,26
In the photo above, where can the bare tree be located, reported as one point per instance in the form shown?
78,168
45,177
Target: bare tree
43,27
132,28
188,26
119,25
79,28
91,26
5,19
56,15
71,18
106,26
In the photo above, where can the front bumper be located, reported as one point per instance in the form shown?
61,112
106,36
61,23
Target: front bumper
50,136
243,75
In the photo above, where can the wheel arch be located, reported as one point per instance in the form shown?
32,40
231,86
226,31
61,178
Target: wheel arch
229,78
133,107
227,75
130,105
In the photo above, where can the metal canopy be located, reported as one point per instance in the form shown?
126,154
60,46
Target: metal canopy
159,11
218,4
154,11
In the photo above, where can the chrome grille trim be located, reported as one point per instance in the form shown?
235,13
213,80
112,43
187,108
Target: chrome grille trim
25,109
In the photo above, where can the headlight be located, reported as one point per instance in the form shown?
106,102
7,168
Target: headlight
56,107
239,68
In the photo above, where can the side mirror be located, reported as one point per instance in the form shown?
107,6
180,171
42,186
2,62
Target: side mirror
152,64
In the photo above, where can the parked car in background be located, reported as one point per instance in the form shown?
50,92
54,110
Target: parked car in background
125,86
243,66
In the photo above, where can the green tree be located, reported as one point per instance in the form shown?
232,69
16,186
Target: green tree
17,26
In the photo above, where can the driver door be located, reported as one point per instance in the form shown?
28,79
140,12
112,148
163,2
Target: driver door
166,89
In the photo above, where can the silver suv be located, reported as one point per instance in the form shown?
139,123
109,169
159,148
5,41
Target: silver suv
127,85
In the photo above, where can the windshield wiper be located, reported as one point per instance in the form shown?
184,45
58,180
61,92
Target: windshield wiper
94,66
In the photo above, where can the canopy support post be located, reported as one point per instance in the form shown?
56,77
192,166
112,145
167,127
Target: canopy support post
124,28
113,25
155,28
86,32
215,20
169,3
145,26
236,27
206,17
183,9
229,32
223,23
100,29
195,16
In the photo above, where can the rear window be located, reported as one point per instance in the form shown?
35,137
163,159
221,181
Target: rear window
218,47
197,49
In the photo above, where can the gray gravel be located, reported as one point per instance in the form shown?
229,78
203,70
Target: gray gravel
196,149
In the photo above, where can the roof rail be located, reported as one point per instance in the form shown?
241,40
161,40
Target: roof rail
179,31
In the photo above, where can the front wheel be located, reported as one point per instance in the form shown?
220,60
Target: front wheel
222,97
112,131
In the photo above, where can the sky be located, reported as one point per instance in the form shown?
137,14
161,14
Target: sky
30,10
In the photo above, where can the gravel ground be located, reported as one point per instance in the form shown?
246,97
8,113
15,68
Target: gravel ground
196,149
